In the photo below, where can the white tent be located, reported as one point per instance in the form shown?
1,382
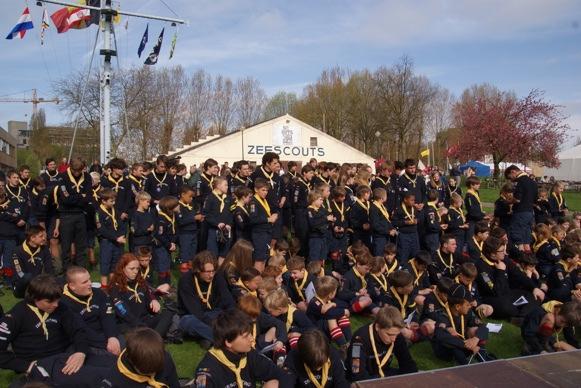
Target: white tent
570,169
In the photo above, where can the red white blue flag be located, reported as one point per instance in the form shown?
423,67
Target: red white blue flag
23,24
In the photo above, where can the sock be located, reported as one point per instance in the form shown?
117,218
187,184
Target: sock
357,307
546,330
337,336
344,322
293,342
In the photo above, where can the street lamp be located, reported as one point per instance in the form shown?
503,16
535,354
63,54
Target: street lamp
377,134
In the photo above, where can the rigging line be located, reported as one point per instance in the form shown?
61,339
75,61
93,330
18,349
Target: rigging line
15,93
170,9
83,92
125,120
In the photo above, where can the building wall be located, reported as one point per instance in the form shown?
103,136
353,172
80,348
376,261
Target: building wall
290,138
19,130
7,150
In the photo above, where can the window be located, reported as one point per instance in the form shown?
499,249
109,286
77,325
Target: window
313,142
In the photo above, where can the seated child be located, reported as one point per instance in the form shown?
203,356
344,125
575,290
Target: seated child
564,281
377,285
418,268
390,257
467,274
402,295
354,289
298,281
435,304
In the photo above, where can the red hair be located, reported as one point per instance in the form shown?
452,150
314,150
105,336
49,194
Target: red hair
119,280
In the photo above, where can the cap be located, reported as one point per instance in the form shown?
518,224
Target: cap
458,291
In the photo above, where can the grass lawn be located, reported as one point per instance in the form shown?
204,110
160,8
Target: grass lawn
573,198
506,344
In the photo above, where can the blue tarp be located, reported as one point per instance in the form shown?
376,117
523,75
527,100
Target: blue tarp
480,168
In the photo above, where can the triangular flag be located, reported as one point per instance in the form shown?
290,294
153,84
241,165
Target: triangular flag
44,26
143,41
173,44
425,152
154,54
24,23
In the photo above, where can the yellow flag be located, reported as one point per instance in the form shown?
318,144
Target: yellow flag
425,152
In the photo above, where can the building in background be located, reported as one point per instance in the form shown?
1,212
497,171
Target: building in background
7,150
20,131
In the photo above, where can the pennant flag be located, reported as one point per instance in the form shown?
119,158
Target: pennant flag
44,26
143,41
173,44
154,54
74,17
24,23
425,152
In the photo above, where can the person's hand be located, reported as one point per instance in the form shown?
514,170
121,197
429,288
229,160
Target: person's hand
21,223
151,228
121,240
154,306
199,217
366,226
164,288
113,346
501,265
124,216
172,247
55,233
278,346
228,227
221,225
32,365
563,346
539,294
74,363
471,343
392,232
464,226
576,294
331,218
444,226
363,291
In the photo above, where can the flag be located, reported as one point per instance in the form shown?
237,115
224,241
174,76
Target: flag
74,17
154,54
173,44
44,26
425,152
24,23
143,41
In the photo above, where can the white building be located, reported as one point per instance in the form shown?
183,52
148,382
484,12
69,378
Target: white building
290,138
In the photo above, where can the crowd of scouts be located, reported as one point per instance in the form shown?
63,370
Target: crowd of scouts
270,267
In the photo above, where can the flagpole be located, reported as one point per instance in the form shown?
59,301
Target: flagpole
107,13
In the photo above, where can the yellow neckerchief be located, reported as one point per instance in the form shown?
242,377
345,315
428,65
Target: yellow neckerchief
17,195
160,181
412,181
55,196
442,303
479,246
237,177
189,207
52,176
521,174
254,331
241,284
361,277
74,182
364,205
134,290
433,206
267,176
452,191
393,266
449,266
469,286
341,210
263,203
205,177
316,209
550,306
115,182
304,182
299,288
380,363
96,192
451,317
402,303
171,220
418,274
324,374
293,174
382,209
237,370
34,192
137,181
110,214
381,280
409,216
437,185
22,182
290,316
485,259
30,253
385,182
205,300
87,303
460,212
145,274
241,206
556,242
559,199
566,266
476,195
42,317
327,205
222,198
327,181
539,244
150,379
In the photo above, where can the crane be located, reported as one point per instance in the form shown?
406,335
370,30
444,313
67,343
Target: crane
35,100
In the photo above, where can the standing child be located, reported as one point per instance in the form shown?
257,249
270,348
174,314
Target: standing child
318,220
381,228
432,225
111,232
339,239
218,218
557,201
300,204
261,222
474,211
187,225
142,222
243,195
503,206
404,219
542,207
165,237
359,217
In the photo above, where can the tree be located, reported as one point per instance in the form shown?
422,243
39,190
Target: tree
250,101
172,88
362,115
498,123
198,104
279,104
439,119
222,104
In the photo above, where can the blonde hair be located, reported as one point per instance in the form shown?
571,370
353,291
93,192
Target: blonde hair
276,299
142,195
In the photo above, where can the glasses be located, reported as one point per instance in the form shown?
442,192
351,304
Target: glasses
210,271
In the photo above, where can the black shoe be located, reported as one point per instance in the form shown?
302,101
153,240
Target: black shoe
485,356
205,344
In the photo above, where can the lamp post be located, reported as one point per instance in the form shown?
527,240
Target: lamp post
377,135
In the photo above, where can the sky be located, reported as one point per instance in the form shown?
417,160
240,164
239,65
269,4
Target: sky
513,44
